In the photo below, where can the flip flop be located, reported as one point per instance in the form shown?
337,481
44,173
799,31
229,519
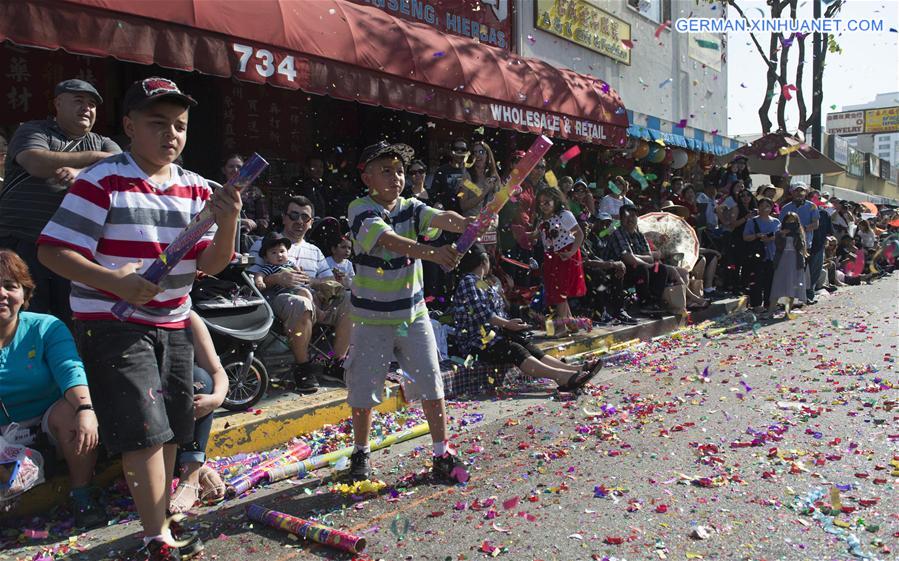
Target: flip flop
580,379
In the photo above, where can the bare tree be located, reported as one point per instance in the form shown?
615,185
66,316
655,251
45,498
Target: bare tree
776,61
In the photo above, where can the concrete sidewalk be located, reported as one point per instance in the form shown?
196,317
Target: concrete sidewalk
283,415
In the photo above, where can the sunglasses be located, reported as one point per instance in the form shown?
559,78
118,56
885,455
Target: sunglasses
301,216
540,166
416,171
479,151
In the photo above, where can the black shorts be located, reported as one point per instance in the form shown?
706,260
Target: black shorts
510,350
141,383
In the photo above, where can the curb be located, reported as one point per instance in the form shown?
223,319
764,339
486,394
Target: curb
282,418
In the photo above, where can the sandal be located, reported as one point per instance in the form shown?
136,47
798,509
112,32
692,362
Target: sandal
579,379
212,488
181,500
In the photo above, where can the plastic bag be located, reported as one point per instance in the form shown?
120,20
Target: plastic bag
21,468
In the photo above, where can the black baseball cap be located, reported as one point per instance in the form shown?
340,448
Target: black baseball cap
371,153
146,91
271,240
77,86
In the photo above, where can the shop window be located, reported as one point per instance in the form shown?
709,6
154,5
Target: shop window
656,10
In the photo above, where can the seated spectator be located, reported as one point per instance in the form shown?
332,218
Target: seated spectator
415,187
197,481
43,387
611,204
299,313
254,213
865,236
484,330
340,263
605,287
645,271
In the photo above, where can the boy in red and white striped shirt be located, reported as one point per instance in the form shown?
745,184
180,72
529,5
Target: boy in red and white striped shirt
118,216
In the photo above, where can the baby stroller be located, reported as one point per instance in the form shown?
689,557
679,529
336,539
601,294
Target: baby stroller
249,340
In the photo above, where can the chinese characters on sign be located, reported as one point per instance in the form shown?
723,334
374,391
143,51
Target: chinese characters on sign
584,24
871,121
29,76
882,120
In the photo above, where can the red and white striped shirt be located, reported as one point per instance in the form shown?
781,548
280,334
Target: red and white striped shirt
114,214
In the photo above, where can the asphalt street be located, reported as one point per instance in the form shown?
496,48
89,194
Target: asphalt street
699,447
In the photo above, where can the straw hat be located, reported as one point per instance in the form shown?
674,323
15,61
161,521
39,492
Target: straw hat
778,192
678,210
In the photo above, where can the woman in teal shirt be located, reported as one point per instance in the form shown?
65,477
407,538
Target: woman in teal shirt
43,387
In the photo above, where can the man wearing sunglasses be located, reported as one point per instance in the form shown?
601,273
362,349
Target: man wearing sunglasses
299,313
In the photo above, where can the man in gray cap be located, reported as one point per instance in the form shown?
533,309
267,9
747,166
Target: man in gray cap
42,161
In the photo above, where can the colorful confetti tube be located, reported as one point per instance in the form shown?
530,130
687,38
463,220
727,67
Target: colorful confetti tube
191,234
307,529
243,483
521,170
300,469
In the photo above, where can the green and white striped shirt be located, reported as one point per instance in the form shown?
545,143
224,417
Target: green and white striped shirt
389,287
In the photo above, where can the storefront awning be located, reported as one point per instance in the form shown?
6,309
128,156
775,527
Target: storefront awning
334,48
651,128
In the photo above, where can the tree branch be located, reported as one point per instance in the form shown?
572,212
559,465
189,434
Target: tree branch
758,45
800,94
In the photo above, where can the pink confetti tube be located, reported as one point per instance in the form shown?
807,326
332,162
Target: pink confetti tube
191,234
243,483
521,170
307,529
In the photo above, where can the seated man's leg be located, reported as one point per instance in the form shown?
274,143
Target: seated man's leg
297,312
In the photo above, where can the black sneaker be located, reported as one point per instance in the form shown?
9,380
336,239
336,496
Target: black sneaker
192,545
156,550
449,469
304,378
89,516
334,372
625,318
360,468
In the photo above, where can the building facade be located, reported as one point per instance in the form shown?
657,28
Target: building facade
672,82
884,146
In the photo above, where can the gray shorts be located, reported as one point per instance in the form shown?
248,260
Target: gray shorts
289,308
373,348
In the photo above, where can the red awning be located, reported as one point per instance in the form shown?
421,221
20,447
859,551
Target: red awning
334,48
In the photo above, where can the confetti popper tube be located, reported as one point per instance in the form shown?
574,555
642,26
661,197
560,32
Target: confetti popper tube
307,529
191,234
300,469
243,483
521,170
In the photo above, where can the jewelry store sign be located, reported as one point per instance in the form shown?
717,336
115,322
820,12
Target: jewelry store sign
583,23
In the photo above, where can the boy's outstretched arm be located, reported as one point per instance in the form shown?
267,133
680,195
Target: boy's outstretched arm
445,256
451,222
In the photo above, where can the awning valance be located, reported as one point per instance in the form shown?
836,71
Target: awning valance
649,128
334,48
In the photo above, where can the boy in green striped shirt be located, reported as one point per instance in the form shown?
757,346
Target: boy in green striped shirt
390,318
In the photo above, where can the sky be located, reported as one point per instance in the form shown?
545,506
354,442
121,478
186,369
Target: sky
869,64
